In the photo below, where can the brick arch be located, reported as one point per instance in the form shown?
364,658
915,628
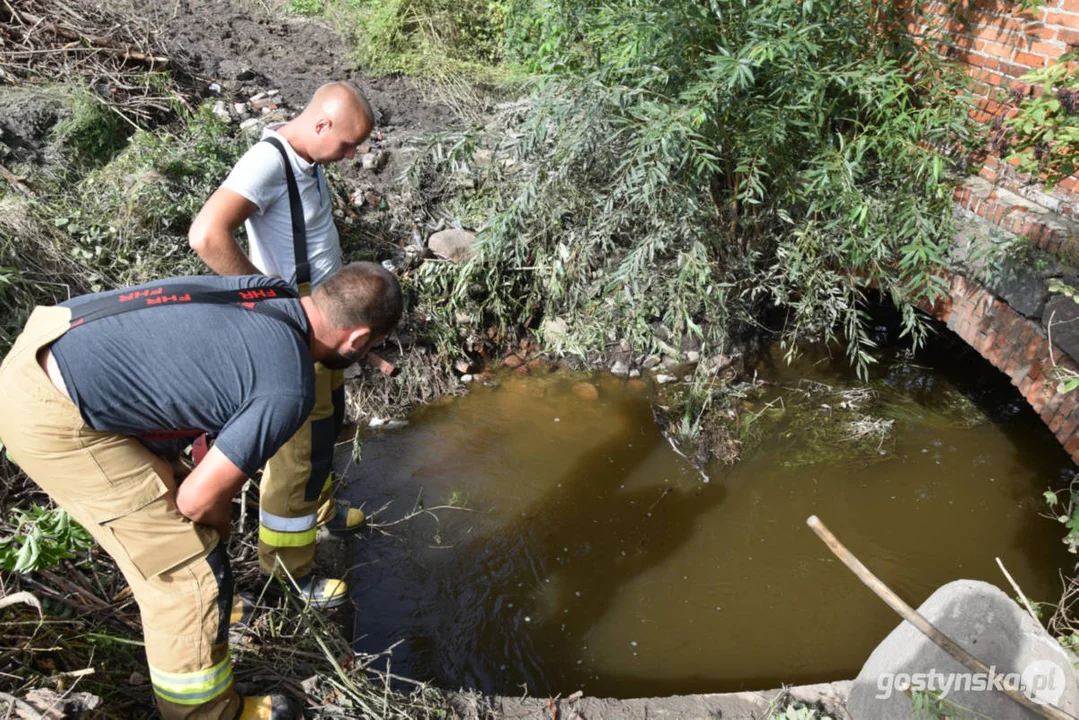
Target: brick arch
1020,348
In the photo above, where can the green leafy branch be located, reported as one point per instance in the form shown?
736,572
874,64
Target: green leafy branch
42,537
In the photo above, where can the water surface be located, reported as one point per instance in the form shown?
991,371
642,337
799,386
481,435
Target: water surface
593,557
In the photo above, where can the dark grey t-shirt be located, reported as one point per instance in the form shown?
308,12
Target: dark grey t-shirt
178,369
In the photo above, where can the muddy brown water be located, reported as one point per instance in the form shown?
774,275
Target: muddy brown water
593,557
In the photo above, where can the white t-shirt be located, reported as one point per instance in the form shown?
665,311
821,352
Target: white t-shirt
259,176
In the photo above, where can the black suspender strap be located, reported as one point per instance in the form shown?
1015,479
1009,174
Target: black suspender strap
186,293
299,228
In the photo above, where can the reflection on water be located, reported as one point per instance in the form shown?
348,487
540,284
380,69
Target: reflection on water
592,557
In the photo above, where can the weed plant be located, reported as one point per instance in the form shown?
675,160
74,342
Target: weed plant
687,166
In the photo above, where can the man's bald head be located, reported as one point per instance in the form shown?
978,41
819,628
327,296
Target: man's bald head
333,124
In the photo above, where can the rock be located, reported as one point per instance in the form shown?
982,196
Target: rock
536,364
693,356
554,329
634,373
619,368
1059,318
521,370
512,361
374,160
137,678
455,245
214,88
249,123
586,391
1022,287
466,379
664,379
232,70
463,366
987,624
650,362
372,198
221,110
240,108
53,705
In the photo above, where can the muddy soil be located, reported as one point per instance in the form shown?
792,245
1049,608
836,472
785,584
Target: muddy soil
243,48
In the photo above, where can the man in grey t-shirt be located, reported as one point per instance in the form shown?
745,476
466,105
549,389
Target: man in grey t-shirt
296,490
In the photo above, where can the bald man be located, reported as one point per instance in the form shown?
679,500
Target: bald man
278,191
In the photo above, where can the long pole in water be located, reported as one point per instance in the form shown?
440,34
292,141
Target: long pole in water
912,616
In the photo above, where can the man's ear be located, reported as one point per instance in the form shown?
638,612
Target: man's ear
322,125
358,337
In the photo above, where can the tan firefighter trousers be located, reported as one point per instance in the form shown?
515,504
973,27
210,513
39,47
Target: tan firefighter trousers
124,495
296,490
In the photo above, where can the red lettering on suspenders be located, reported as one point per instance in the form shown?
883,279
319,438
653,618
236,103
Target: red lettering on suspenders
257,294
128,297
168,299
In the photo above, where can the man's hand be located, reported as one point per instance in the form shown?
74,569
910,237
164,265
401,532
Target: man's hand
206,495
211,233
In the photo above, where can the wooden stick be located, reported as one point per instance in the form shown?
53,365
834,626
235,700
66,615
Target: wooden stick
1018,591
910,615
16,181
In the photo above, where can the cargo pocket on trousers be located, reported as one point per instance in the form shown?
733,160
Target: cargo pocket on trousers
156,538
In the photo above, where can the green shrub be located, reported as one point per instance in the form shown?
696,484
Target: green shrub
431,38
1045,129
42,538
692,164
91,134
129,218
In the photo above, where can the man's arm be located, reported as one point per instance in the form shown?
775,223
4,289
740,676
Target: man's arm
211,233
206,495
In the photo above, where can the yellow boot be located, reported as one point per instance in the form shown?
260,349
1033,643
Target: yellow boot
270,707
340,517
319,592
243,609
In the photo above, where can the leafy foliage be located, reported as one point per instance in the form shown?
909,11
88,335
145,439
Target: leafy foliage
1045,128
118,220
92,133
1066,513
42,538
423,37
682,166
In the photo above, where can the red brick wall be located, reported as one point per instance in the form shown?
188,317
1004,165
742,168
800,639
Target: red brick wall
1019,348
998,43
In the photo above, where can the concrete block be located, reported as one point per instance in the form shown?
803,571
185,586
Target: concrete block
987,624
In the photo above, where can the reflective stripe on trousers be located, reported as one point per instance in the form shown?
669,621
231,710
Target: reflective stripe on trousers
193,688
285,531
